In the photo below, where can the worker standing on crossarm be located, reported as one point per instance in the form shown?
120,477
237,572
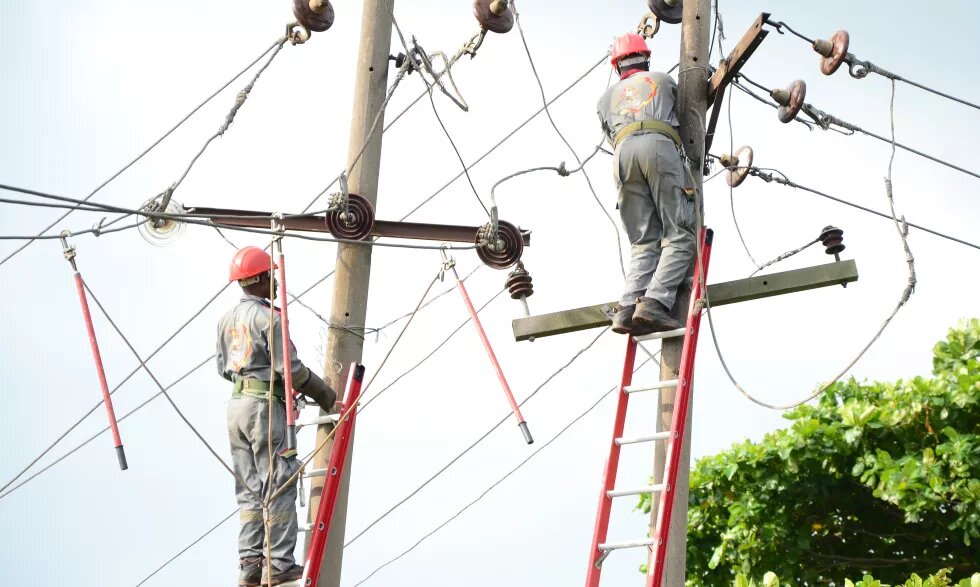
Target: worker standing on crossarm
656,203
244,357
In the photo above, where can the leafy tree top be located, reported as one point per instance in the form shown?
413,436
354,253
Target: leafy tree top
876,477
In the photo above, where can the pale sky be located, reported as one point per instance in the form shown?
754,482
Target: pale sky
87,86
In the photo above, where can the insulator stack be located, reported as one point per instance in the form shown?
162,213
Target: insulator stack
833,240
350,220
790,100
496,16
519,283
315,15
507,248
832,52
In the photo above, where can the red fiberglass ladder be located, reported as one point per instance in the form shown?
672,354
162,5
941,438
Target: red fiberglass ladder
335,468
674,438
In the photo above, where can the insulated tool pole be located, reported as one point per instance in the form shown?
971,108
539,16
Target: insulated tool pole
655,578
87,315
451,264
287,371
335,469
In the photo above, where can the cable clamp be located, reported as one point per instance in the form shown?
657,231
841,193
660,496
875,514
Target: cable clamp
562,170
297,34
278,227
97,227
68,250
448,262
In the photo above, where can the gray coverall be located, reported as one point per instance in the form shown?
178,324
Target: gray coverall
243,353
656,209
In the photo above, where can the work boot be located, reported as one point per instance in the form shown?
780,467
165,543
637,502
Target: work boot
293,573
622,322
653,315
250,572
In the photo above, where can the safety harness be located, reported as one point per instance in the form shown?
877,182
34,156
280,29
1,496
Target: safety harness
258,388
656,126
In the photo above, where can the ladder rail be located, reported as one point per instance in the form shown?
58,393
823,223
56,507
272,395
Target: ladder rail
611,468
320,529
655,574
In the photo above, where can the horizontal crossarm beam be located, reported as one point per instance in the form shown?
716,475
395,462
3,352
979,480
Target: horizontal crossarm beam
719,294
316,223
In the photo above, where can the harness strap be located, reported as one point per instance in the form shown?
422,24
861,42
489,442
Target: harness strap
657,126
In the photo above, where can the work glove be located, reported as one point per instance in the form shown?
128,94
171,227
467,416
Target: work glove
318,390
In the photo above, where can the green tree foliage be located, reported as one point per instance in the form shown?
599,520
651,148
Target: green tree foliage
940,579
876,478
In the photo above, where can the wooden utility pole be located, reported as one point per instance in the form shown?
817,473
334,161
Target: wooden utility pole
353,269
692,106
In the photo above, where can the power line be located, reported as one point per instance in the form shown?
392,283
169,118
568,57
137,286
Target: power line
506,137
498,482
188,547
859,69
435,111
172,559
147,150
902,228
191,219
768,178
828,121
473,445
578,160
163,390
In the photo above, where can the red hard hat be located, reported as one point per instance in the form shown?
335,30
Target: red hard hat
249,262
628,44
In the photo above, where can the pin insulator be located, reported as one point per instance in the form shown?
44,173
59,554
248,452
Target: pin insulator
832,239
507,249
353,221
519,282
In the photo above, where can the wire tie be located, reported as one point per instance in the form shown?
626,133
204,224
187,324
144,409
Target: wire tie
97,227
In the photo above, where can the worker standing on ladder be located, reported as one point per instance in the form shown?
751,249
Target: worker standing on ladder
656,205
244,357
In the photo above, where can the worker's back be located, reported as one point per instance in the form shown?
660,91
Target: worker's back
645,95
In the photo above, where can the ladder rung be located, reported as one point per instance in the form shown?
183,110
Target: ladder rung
657,385
305,527
315,473
635,491
664,334
329,418
639,439
628,544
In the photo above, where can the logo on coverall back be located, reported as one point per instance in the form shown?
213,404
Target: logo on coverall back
630,101
239,346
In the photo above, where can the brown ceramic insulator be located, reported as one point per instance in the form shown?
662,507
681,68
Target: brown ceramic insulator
512,246
832,52
666,12
519,283
353,224
790,100
316,19
741,161
490,21
832,239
